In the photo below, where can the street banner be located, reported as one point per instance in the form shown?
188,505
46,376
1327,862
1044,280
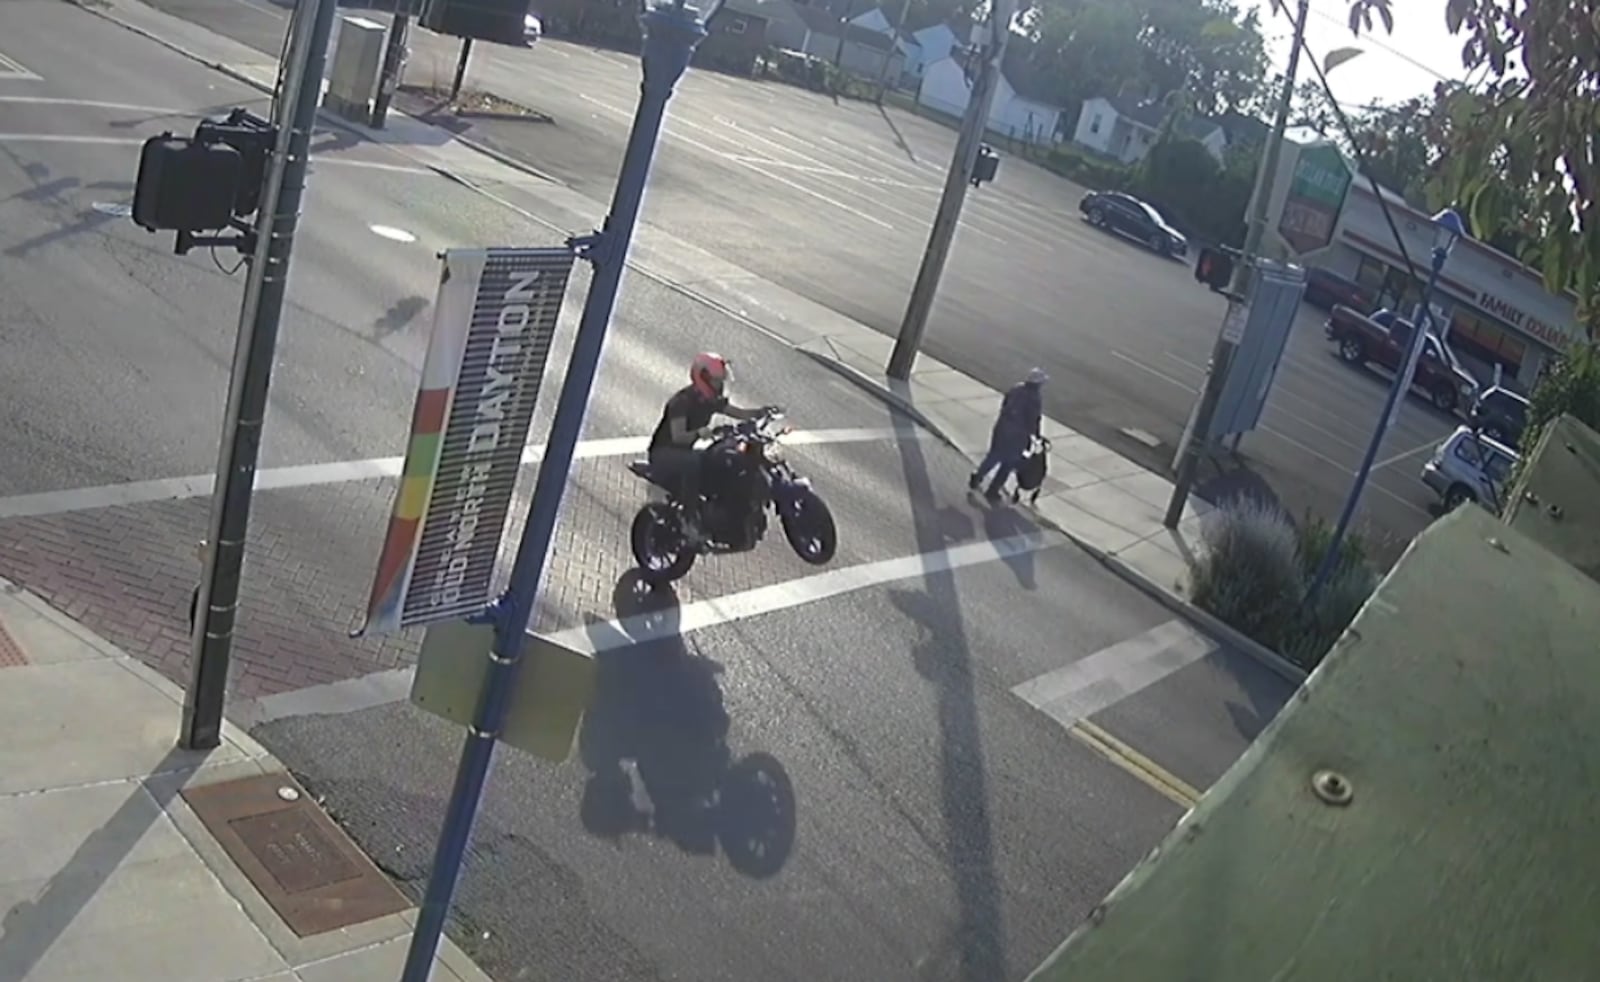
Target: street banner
493,323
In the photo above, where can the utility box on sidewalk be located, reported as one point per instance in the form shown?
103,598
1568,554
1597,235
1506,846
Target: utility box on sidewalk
353,79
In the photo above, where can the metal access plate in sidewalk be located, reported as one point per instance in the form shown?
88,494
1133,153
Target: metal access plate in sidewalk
305,867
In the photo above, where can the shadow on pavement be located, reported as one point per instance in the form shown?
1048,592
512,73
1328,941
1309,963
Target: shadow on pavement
655,743
30,928
941,656
1004,522
899,138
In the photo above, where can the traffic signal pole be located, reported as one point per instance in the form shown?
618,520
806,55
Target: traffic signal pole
948,217
1242,288
217,607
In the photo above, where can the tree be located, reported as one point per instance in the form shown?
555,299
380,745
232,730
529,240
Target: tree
1205,49
1531,127
1523,156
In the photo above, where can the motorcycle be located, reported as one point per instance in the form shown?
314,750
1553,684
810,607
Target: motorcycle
745,475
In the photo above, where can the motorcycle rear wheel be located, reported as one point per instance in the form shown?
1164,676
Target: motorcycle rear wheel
659,545
810,529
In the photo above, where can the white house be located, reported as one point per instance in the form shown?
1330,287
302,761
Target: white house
874,20
1022,109
929,45
1125,130
820,33
917,48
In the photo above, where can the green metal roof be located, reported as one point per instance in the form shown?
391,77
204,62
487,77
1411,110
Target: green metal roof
1461,713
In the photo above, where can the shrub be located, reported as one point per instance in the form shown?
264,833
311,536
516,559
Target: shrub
1255,566
1248,573
1091,172
1319,626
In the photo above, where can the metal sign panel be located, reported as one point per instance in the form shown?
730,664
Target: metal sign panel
554,686
493,324
1262,339
1316,196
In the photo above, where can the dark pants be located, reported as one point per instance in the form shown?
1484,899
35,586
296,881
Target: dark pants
679,469
1005,451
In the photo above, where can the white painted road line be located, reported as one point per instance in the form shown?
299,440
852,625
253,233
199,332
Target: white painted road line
339,472
10,68
1423,448
595,638
394,685
1077,691
133,141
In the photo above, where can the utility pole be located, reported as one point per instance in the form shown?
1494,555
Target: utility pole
394,66
844,25
894,43
948,217
218,602
1243,285
461,69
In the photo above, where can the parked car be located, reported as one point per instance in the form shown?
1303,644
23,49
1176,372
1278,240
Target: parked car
1500,414
1469,467
1326,289
1138,220
1440,375
532,30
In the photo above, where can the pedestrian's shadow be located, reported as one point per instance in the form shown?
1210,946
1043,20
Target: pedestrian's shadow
1004,522
655,743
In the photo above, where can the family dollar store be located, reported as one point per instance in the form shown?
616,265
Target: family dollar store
1497,311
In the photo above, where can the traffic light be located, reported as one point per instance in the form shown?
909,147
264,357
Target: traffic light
185,186
253,137
209,182
1214,268
986,166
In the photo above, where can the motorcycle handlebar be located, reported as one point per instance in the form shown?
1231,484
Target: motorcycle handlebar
747,427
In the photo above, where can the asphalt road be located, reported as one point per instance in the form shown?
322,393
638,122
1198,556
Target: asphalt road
839,774
834,201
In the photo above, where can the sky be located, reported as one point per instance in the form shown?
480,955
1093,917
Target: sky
1391,68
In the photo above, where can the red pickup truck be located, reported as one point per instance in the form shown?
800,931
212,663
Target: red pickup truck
1439,374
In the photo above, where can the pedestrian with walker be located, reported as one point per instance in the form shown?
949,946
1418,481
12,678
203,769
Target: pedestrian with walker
1021,412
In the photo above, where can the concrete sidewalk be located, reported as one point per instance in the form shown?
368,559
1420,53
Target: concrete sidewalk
1107,504
106,869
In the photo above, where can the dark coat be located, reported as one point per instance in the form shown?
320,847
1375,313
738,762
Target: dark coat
1020,415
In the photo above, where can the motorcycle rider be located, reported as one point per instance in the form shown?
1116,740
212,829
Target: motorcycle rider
686,419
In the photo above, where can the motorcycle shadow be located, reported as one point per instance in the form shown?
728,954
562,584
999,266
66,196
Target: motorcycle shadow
655,743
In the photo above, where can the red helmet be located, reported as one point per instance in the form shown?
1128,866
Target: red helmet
709,374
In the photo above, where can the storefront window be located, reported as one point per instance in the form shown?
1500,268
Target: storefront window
1371,273
1486,339
1390,285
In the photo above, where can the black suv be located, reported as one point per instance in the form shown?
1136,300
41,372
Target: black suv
1501,415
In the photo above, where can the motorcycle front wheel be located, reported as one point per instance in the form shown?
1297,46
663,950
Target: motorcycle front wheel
810,529
659,545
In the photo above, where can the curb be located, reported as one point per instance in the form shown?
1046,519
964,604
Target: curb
881,392
1212,625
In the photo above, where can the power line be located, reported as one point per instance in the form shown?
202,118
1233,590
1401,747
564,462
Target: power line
1372,39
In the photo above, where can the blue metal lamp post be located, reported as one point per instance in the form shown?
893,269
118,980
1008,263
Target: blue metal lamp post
1448,228
672,30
